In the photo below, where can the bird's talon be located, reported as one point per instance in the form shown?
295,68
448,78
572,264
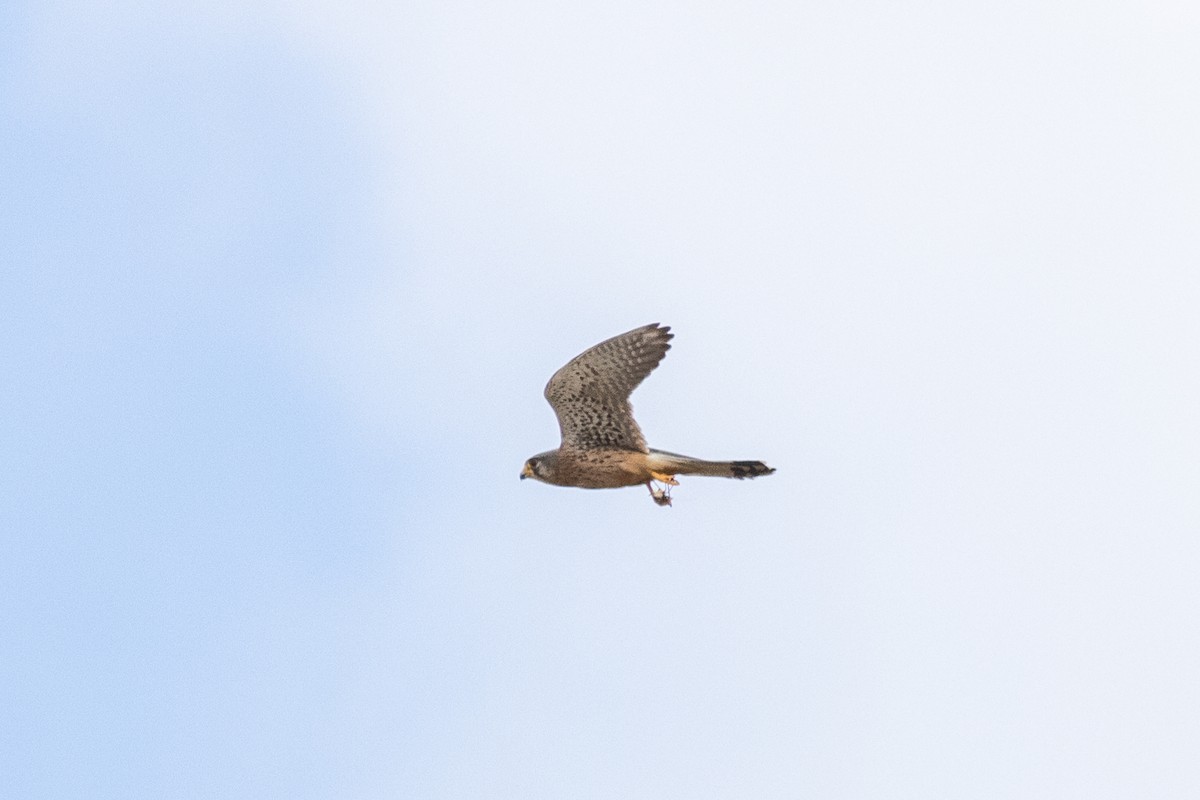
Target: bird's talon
663,477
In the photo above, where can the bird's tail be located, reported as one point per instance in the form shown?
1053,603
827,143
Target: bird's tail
675,464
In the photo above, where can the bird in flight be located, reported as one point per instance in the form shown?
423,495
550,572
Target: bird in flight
602,446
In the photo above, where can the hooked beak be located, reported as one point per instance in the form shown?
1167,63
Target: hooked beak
526,472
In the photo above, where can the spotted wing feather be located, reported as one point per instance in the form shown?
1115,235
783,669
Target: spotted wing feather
590,394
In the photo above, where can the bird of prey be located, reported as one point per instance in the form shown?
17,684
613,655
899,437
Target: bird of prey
602,447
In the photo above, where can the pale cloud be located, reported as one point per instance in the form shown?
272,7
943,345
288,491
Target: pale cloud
936,264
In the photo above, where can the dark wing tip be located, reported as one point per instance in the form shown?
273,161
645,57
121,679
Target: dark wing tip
663,331
661,338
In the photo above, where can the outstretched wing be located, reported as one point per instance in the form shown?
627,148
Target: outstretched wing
590,395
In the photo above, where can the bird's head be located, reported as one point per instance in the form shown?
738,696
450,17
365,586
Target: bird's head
538,467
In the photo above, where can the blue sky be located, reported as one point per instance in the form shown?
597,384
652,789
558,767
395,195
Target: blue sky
281,287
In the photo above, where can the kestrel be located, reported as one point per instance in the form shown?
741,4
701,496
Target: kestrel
602,447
